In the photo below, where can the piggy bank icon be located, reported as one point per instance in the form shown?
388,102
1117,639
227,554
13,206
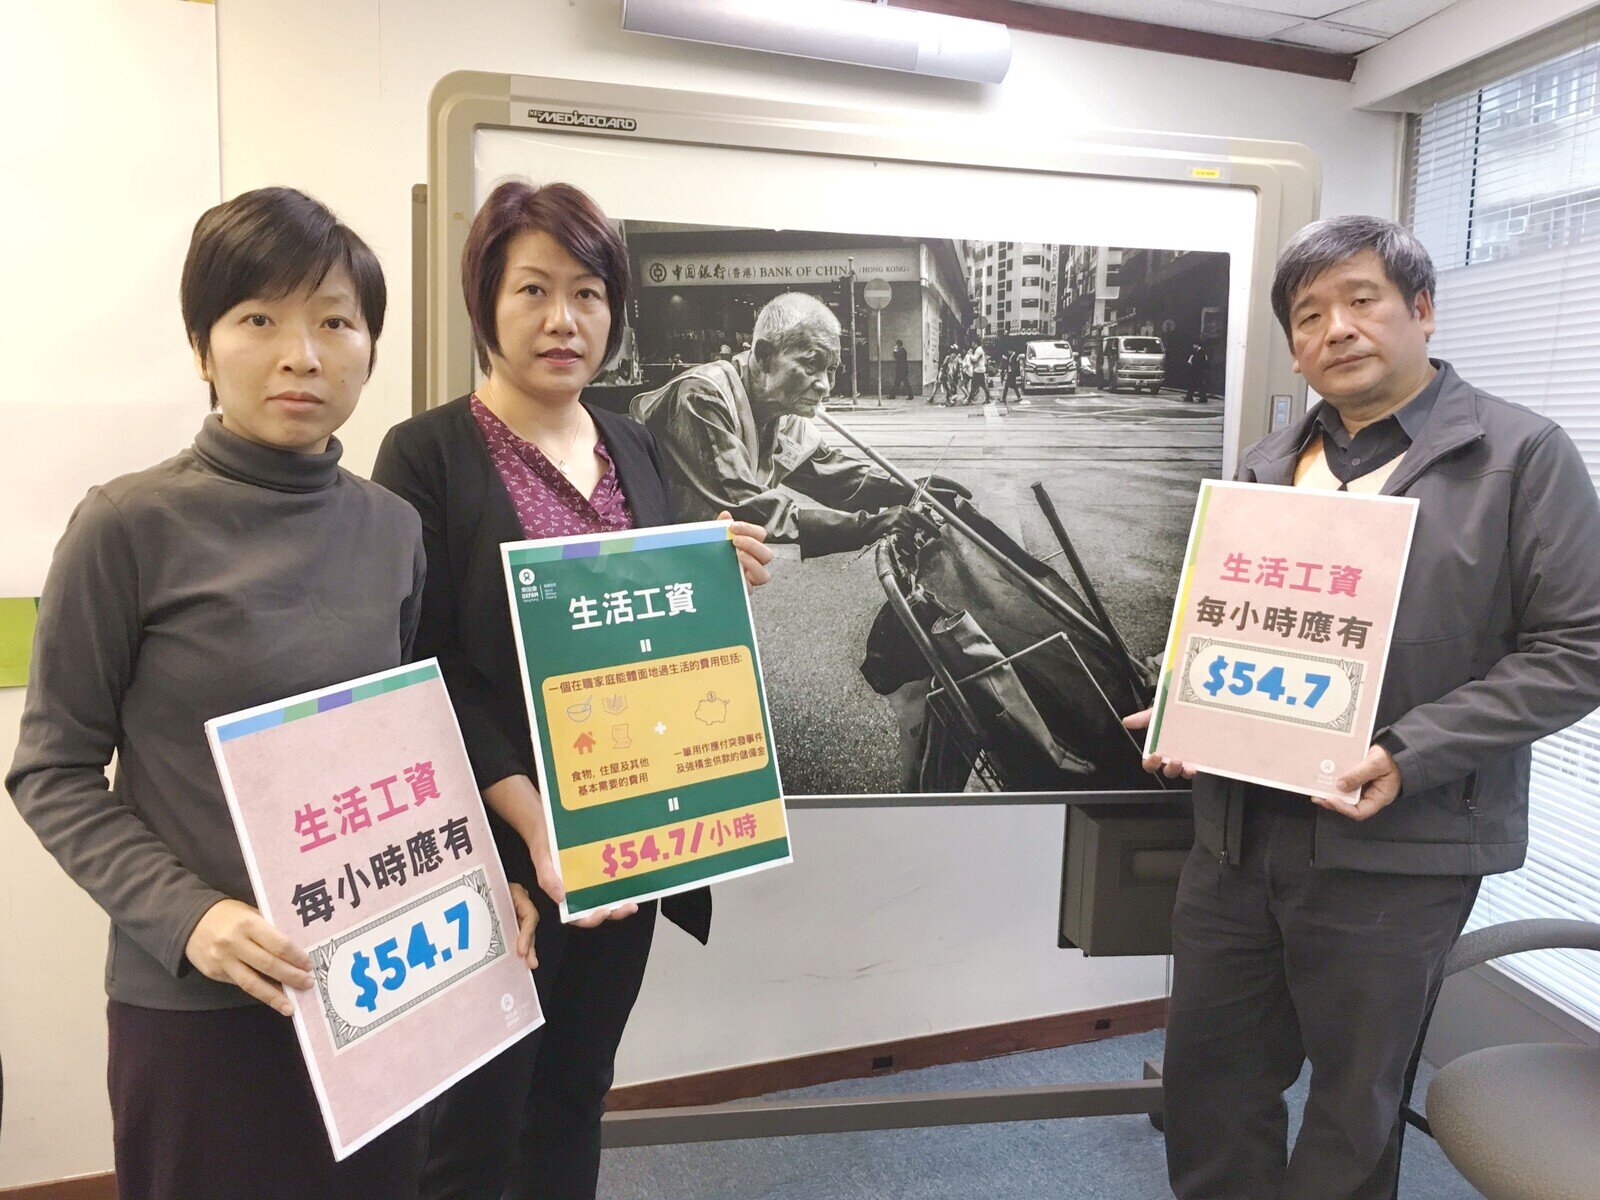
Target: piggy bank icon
711,711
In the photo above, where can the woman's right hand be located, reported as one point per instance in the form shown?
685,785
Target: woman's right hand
233,943
519,803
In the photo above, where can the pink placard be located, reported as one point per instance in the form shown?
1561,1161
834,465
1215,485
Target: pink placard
367,844
1281,633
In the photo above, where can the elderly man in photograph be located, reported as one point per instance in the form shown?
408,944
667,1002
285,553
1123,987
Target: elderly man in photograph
1310,929
735,434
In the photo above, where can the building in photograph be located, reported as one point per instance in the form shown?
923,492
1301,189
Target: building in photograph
1179,296
698,289
1013,287
1087,291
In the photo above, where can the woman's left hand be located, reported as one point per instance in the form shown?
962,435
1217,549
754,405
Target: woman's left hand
527,923
754,553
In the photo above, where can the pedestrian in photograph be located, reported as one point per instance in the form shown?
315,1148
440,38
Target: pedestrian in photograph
938,380
978,375
949,381
1199,365
902,371
962,373
1013,376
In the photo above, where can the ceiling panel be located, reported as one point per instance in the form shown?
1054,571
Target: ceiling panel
1389,16
1320,35
1337,26
1230,19
1288,8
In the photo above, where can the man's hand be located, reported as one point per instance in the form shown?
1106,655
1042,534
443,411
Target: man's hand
1378,780
518,801
901,519
1154,763
233,943
527,924
754,554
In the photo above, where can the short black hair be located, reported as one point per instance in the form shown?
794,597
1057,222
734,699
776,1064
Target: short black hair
1327,243
265,244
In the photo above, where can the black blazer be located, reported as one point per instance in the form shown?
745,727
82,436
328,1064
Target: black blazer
439,462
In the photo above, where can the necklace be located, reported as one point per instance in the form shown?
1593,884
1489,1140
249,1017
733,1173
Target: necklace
577,427
560,463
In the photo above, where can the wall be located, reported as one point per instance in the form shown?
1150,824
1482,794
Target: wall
111,153
891,924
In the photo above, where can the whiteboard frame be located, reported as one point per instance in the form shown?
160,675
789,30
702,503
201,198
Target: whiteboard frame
1284,176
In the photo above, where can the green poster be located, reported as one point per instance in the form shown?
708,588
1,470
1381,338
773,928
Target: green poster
650,726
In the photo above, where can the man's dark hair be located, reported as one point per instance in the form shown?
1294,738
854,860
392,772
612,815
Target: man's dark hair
263,245
1327,243
567,214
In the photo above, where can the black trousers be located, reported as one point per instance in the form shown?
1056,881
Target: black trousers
1276,963
526,1125
219,1103
902,379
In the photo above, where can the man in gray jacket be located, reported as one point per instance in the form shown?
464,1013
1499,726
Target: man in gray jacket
1308,929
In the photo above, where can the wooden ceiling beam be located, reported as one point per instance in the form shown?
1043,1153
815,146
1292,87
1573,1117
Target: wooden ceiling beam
1144,35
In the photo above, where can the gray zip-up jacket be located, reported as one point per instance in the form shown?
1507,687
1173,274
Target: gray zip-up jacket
1496,643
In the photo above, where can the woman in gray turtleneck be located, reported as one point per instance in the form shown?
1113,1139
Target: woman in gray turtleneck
247,568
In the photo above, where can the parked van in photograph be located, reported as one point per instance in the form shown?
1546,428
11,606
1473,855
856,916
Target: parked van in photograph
1131,361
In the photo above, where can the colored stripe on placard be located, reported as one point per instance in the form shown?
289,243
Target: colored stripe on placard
326,702
621,545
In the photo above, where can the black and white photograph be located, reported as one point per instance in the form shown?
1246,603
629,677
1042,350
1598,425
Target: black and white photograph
982,456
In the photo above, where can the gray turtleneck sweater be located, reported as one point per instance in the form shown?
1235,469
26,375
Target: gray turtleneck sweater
231,575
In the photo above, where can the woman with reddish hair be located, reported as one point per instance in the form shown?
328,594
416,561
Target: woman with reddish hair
546,278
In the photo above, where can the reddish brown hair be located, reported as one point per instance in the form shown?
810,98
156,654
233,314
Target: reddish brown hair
567,214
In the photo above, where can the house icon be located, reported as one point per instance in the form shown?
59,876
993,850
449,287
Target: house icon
584,744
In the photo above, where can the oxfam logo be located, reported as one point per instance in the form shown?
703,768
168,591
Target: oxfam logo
525,576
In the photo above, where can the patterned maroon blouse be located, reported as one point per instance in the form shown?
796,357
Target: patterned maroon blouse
547,503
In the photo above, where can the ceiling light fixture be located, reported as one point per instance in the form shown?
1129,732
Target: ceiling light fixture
847,31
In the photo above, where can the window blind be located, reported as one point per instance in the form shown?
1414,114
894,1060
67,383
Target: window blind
1504,191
